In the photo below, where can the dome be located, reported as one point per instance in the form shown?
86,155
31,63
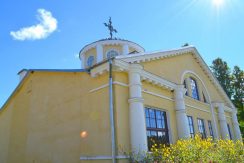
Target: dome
100,50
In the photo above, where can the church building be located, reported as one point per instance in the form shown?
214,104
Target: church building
122,99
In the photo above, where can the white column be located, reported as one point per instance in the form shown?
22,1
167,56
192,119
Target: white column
222,121
181,117
125,49
237,131
215,129
99,49
83,62
137,116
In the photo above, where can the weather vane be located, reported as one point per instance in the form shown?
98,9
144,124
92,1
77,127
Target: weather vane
110,28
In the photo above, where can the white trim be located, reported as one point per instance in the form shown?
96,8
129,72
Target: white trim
121,84
203,103
111,42
191,72
157,95
197,108
146,76
102,157
227,109
156,80
99,70
216,113
106,85
98,88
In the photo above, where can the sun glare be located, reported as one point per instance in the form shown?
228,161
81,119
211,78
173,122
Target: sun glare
218,3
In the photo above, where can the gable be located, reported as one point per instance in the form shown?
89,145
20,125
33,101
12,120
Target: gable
171,65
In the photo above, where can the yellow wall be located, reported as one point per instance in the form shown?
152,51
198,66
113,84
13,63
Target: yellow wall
49,113
121,96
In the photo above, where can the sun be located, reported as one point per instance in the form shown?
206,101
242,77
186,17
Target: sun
218,3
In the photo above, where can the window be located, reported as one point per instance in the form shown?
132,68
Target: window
157,130
194,90
204,98
90,61
112,53
229,131
210,129
201,127
185,86
191,126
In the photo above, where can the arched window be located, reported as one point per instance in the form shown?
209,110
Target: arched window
90,61
185,86
194,90
112,53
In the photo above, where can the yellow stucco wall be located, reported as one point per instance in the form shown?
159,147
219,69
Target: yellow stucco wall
45,126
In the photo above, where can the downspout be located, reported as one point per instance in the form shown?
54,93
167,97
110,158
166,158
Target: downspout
111,109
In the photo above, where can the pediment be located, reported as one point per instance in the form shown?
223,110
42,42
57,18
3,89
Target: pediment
170,64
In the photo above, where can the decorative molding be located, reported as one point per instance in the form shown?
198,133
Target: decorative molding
99,70
136,99
197,108
157,95
225,115
192,99
111,42
145,76
148,56
156,80
191,72
98,88
102,157
227,109
106,85
121,84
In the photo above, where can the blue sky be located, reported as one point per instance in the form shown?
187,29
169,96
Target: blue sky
67,26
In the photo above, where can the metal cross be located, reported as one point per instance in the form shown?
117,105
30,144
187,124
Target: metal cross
110,28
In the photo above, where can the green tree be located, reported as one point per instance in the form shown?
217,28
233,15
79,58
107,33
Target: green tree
223,73
238,94
233,84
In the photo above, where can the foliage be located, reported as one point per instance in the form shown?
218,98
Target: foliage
194,150
223,73
233,84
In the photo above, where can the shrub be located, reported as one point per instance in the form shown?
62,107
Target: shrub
193,150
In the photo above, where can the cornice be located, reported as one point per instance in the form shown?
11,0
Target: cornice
119,65
111,42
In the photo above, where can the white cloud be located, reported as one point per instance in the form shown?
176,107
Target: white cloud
47,25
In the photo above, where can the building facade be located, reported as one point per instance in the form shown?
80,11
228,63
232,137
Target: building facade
162,96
